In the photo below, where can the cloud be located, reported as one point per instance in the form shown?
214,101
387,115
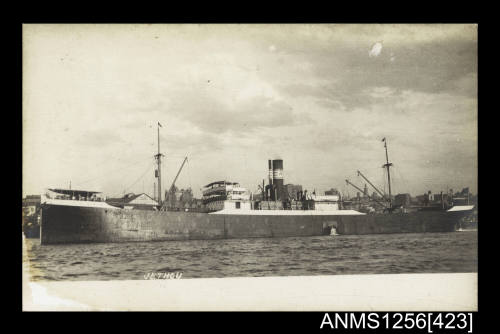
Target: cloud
380,92
341,75
98,137
212,115
240,93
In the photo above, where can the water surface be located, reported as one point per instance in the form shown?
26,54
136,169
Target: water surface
295,256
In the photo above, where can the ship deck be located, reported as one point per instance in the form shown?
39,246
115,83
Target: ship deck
69,202
288,212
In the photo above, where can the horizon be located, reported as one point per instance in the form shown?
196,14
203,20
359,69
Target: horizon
319,96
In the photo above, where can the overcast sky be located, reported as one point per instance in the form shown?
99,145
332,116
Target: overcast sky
230,97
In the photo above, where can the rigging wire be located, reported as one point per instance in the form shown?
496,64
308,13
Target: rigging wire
112,171
384,177
394,182
95,168
137,180
405,183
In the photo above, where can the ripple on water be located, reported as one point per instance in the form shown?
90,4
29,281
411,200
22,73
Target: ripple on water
390,253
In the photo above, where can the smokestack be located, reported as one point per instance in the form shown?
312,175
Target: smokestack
278,178
270,172
269,187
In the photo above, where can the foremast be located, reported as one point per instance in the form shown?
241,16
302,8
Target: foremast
158,171
388,165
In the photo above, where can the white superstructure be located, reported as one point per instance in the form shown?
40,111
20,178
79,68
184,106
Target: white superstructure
325,202
223,195
69,197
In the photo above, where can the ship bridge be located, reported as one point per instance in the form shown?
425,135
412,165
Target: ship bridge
220,194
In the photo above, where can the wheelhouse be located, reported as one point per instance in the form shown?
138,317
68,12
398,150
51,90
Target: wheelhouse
224,190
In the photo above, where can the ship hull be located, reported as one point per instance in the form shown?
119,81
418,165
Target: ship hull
75,224
415,222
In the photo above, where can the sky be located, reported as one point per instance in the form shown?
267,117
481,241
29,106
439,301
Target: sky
229,97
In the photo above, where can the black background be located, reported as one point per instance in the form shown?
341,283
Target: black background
244,12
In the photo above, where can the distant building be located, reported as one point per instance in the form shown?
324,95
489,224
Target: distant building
402,200
465,192
292,191
186,195
420,199
426,199
179,199
443,199
463,198
332,191
133,201
31,204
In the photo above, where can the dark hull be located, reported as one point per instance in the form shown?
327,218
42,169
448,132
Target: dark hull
415,222
73,224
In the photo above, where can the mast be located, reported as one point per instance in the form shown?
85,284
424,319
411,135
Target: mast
158,160
387,165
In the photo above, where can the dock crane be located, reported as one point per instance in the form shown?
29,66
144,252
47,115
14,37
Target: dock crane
170,191
376,189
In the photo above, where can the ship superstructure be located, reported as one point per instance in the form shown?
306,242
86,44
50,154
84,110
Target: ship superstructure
226,195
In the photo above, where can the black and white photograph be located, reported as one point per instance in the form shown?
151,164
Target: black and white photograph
249,167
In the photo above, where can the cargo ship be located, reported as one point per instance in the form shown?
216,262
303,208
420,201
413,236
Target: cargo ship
80,216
